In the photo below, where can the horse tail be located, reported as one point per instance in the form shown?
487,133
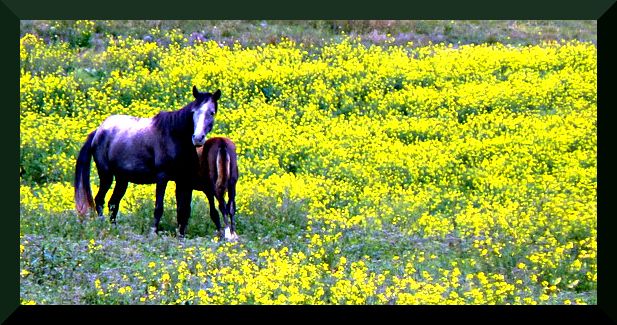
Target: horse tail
222,167
83,193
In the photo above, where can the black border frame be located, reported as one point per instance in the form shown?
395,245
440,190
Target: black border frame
11,11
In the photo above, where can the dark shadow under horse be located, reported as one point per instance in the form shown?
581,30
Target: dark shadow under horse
146,151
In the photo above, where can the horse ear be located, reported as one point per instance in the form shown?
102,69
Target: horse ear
195,91
216,95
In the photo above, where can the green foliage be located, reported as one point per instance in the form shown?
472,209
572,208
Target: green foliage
368,174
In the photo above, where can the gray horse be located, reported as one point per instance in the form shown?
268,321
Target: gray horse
146,151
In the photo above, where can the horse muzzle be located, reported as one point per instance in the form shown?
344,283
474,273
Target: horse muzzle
199,140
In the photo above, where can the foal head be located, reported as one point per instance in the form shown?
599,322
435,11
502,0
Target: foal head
204,108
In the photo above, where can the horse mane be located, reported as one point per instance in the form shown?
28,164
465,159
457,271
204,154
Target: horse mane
175,121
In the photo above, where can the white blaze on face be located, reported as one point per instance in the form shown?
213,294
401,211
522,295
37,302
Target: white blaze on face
201,116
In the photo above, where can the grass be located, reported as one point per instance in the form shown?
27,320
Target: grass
63,263
318,32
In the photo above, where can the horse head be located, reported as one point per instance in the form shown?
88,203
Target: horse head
204,108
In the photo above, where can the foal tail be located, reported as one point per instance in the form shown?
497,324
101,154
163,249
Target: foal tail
83,193
222,168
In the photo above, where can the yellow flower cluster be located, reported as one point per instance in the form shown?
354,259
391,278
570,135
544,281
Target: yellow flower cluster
93,247
486,149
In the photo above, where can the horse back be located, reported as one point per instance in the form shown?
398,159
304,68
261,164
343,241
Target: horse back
132,148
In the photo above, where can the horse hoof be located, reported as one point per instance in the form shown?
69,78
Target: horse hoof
230,236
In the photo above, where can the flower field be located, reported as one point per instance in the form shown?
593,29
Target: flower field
394,174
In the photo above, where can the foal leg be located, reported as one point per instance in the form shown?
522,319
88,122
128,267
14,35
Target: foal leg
116,196
220,197
158,206
214,215
105,183
184,193
231,208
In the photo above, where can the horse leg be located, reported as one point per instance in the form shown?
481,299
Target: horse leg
116,196
158,206
184,194
231,208
214,215
105,183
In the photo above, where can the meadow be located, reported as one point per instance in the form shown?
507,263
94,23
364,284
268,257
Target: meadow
369,174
